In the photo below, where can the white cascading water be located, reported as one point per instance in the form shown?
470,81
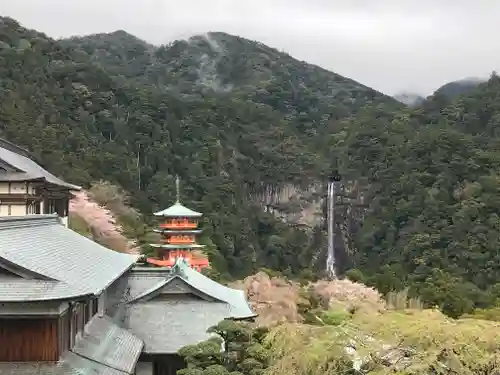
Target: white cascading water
330,259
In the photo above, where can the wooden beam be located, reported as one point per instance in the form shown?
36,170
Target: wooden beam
19,197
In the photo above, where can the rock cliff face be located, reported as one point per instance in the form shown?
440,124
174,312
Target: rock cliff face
307,207
293,204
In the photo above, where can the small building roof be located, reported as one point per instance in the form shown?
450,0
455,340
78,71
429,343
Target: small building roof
106,343
236,299
41,244
24,168
17,289
166,326
178,210
103,349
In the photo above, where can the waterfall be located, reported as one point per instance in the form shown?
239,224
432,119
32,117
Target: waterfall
330,259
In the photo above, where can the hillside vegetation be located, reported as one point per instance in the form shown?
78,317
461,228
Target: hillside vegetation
351,339
432,180
240,121
89,115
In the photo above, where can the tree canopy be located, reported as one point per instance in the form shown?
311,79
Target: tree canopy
241,123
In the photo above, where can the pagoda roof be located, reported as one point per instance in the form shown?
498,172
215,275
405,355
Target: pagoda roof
50,260
180,231
178,210
178,246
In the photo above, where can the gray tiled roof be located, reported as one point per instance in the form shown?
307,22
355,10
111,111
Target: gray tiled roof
167,326
41,244
17,289
108,344
141,279
73,364
29,170
104,349
70,364
234,297
178,210
27,368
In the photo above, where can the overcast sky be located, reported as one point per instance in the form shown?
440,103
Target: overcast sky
390,45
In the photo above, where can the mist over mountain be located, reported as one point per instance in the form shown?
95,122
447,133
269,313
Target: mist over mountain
254,134
410,99
244,125
459,87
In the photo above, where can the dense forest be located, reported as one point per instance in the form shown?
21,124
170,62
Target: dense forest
111,107
237,121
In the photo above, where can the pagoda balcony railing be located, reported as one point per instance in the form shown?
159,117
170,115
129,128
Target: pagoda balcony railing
180,241
179,225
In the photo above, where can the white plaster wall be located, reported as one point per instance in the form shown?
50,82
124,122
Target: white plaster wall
4,188
15,209
18,209
18,188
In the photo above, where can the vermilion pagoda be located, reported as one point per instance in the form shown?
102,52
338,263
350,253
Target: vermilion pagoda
178,232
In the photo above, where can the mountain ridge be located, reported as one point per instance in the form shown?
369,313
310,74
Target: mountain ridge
138,121
417,205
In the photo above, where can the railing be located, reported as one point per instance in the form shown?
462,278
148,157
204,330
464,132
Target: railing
179,225
180,240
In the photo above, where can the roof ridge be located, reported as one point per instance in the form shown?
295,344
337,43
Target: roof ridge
10,222
12,147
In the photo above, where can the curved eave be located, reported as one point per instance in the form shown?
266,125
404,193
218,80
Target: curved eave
184,231
246,317
19,297
177,246
234,297
183,214
165,282
178,210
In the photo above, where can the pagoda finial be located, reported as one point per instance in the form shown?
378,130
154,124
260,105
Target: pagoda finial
178,188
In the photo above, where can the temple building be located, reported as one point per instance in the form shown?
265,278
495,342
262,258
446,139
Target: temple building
70,306
26,188
178,231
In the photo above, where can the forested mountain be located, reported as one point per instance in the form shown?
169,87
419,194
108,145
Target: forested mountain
237,120
224,65
462,86
112,107
432,177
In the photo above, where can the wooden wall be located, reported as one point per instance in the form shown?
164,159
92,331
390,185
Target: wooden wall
44,338
28,340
